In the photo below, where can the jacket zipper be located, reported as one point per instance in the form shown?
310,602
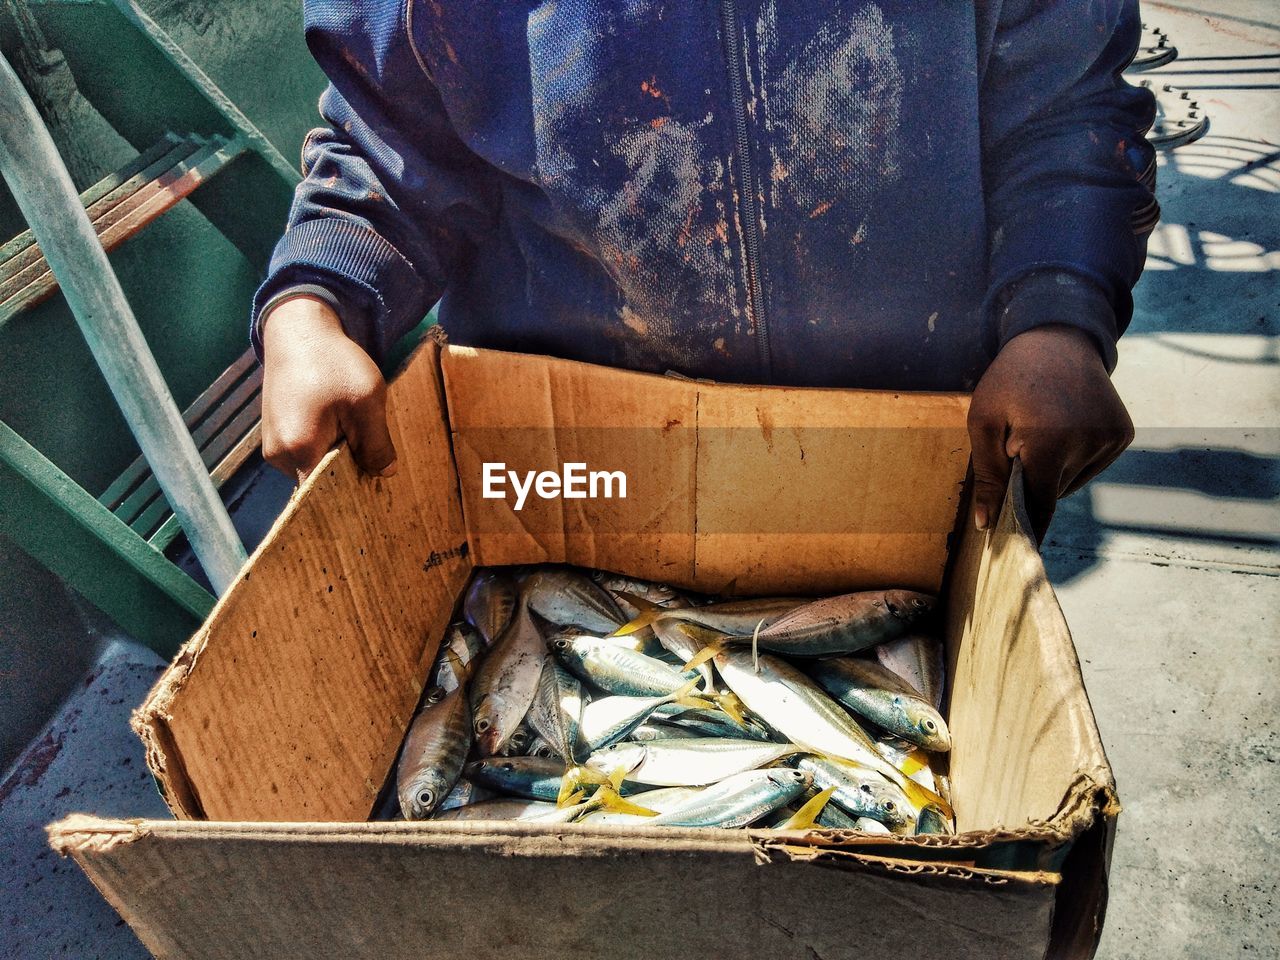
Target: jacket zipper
748,207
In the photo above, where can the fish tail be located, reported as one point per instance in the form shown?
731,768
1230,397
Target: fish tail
649,612
807,816
713,642
732,706
685,697
920,796
609,799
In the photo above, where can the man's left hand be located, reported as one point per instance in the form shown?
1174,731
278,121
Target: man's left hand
1048,400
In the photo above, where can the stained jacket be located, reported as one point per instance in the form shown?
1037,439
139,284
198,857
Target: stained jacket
838,193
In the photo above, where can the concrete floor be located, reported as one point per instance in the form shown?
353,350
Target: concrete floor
1166,568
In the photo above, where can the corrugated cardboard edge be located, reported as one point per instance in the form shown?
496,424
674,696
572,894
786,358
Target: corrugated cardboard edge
83,837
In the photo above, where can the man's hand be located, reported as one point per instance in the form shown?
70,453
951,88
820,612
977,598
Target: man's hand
319,386
1048,400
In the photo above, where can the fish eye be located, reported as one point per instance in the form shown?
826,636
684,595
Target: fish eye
865,788
426,799
930,725
919,602
797,775
890,806
562,644
483,724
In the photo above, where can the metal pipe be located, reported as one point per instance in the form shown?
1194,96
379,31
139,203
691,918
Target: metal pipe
36,175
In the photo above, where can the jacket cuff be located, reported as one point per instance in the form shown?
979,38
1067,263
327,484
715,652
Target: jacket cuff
1061,298
372,281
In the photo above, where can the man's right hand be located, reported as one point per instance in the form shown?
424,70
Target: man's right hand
319,386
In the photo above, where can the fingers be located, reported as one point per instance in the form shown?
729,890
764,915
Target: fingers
295,446
1043,469
990,465
365,426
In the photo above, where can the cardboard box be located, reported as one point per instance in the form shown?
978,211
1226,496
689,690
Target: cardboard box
278,722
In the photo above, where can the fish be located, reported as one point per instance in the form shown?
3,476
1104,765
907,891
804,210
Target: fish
911,760
688,763
507,681
728,617
501,808
490,604
933,820
738,801
609,719
919,660
683,647
796,707
460,650
533,778
846,623
657,593
657,730
877,693
556,713
434,752
464,793
861,792
807,815
569,599
713,723
616,668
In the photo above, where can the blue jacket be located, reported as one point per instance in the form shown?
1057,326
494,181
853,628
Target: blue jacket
844,192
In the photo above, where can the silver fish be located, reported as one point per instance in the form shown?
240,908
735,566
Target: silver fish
729,617
490,604
919,660
534,778
657,730
740,800
464,793
933,820
860,792
797,708
877,693
712,723
610,719
434,752
556,713
567,598
688,763
617,668
503,808
507,681
841,624
460,650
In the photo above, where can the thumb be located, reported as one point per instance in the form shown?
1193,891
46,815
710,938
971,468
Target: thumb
365,427
991,467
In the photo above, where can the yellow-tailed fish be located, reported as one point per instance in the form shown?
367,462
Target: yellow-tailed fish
881,696
689,763
807,815
797,708
740,800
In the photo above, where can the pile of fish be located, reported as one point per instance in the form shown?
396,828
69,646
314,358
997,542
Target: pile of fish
567,697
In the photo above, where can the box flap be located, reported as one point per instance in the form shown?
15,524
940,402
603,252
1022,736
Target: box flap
215,891
1026,748
730,488
297,691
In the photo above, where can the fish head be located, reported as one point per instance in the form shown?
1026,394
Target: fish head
484,724
934,735
421,794
435,695
891,806
791,777
909,606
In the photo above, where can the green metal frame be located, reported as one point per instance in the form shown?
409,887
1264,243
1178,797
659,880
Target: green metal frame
237,70
84,543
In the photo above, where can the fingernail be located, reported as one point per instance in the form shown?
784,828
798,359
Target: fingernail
390,469
980,517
